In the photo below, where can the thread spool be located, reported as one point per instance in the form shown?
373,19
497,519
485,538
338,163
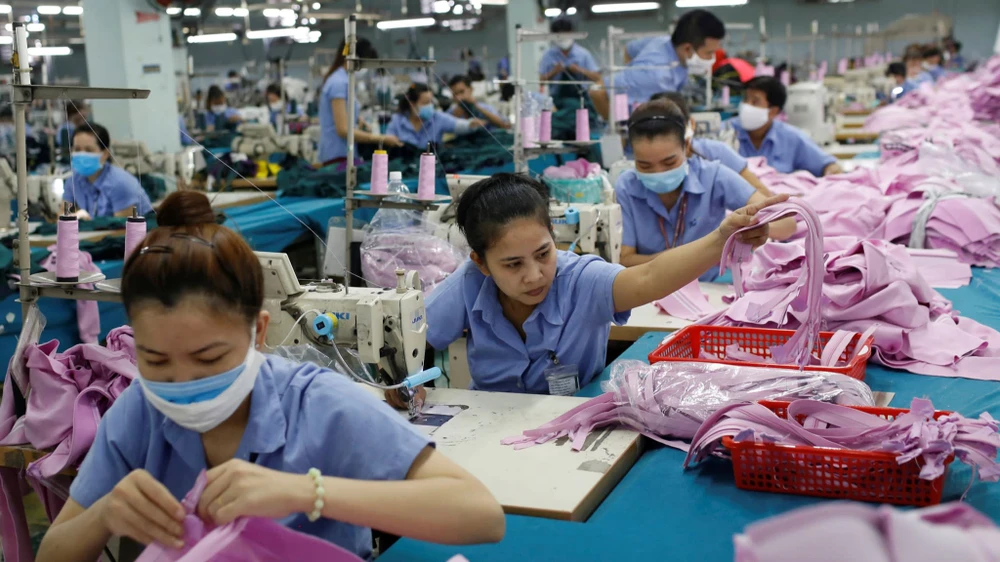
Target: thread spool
528,131
725,96
68,249
135,232
621,107
545,126
380,172
582,125
842,67
425,179
785,79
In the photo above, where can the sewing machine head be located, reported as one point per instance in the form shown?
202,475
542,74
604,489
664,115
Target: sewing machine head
807,108
388,327
259,140
135,158
591,228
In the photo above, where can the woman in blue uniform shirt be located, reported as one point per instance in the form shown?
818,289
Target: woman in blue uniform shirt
96,187
206,399
219,115
537,319
672,199
417,122
333,110
710,149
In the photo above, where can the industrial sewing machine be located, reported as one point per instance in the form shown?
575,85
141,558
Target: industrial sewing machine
387,326
808,109
259,140
45,191
136,158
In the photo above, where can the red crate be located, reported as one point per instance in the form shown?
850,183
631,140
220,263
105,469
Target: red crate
832,473
688,343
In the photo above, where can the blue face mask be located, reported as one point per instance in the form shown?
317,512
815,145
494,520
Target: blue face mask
664,182
426,112
199,390
86,163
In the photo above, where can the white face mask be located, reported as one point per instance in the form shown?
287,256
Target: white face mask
564,44
207,415
698,65
218,109
752,117
276,106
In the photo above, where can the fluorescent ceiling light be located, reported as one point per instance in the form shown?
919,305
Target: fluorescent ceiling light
708,3
632,7
271,13
192,12
312,21
288,14
173,11
49,10
458,10
224,12
493,2
5,8
571,11
403,24
241,12
73,10
442,7
272,33
553,12
212,38
35,27
316,6
49,51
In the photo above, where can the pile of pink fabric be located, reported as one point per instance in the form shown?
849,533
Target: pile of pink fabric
577,169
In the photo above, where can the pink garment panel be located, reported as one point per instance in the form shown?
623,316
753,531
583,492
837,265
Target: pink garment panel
941,268
688,303
576,169
248,539
88,318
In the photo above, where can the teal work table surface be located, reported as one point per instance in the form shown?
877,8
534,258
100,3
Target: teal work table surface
661,512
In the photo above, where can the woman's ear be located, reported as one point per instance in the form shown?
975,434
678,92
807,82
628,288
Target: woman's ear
263,319
480,263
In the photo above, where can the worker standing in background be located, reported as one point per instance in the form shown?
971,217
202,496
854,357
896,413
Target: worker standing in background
932,62
786,148
466,106
417,122
76,115
896,71
566,60
953,55
916,75
691,48
333,110
97,188
503,73
218,114
292,112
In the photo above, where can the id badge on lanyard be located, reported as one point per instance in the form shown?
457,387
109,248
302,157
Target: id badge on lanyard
564,380
678,229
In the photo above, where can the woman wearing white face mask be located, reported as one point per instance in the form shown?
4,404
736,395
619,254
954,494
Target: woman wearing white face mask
261,425
293,111
565,60
672,199
418,121
219,115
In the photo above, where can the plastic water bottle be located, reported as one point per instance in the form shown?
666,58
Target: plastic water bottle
396,187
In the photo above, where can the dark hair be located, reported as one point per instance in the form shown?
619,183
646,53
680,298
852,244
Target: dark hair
411,96
932,51
363,49
189,254
460,79
233,74
96,131
6,112
678,99
488,205
896,69
561,25
957,45
657,118
695,27
773,89
273,88
214,93
913,51
75,107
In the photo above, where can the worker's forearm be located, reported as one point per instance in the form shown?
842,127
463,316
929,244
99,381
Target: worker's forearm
495,119
753,180
593,76
668,272
600,101
632,260
81,539
833,169
782,229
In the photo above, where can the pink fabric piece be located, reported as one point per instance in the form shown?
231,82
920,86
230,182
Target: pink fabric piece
385,251
576,169
854,531
688,303
88,318
248,539
941,268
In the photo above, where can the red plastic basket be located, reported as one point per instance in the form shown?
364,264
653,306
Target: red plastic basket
831,473
688,343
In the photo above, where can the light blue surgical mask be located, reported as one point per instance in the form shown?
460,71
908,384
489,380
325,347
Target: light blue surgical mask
664,182
199,390
86,163
426,112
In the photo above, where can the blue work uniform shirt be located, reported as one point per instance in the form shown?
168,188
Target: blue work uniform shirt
936,72
186,139
572,324
483,106
301,416
433,129
642,83
577,55
786,148
290,115
332,145
720,152
221,120
710,189
915,83
114,191
65,131
635,46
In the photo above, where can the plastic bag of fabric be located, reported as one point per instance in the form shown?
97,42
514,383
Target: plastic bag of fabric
401,239
248,539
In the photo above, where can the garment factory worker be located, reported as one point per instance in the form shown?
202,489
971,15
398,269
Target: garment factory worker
786,148
897,72
292,111
932,62
218,114
466,106
691,49
186,139
953,55
711,149
207,398
916,74
76,116
96,187
417,122
333,109
537,319
674,197
566,60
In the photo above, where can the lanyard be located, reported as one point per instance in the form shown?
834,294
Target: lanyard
679,229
